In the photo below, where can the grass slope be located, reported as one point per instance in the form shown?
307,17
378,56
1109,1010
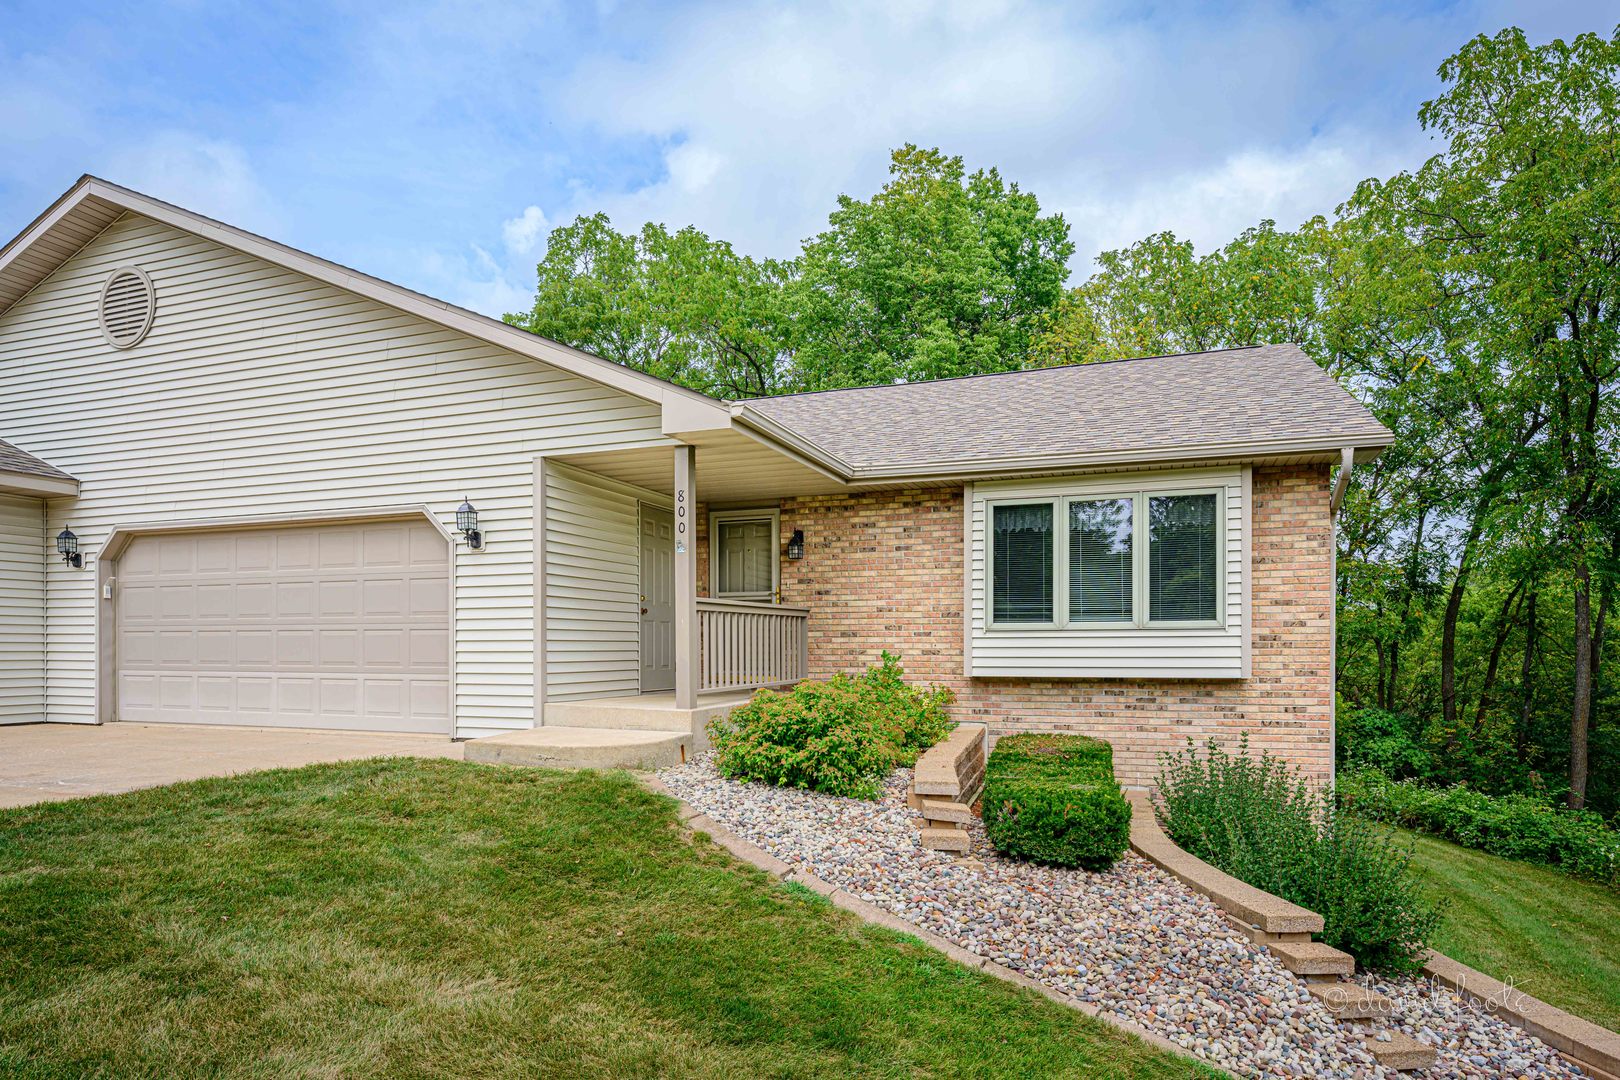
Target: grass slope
1550,935
436,918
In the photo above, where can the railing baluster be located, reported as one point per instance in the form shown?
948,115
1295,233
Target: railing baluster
745,645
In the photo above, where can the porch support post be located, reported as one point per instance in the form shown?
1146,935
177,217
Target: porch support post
686,621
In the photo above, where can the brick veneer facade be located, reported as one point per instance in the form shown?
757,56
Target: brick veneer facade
884,571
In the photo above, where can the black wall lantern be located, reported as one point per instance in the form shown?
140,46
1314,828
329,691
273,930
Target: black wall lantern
67,546
467,522
796,544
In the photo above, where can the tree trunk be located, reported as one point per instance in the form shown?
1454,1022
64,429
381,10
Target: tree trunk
1505,621
1581,706
1448,630
1526,673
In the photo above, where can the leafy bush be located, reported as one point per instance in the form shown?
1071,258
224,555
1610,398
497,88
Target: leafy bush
820,735
1370,737
1262,822
914,719
1053,799
841,736
1514,826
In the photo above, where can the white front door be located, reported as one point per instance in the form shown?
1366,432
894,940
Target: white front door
657,599
744,563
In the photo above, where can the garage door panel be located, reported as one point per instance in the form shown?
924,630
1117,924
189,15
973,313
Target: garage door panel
384,548
327,626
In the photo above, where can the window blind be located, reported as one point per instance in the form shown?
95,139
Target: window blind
1100,560
1021,584
1183,565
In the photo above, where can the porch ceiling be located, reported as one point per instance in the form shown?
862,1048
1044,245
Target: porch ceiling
731,467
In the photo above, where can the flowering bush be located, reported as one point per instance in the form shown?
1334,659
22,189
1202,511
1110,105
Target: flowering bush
841,736
1514,826
1261,821
1053,799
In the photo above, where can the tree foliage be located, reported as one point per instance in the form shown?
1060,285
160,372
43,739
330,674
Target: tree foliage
941,273
1472,302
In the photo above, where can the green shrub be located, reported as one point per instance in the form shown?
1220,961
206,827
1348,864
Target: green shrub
1370,737
820,735
1513,826
1262,822
914,719
1053,799
841,736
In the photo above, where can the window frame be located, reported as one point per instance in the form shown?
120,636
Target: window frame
716,518
1140,543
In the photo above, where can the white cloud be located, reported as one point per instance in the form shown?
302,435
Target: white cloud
524,233
1209,206
1126,121
210,176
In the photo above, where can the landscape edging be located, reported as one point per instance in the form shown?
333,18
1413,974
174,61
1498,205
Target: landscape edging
1596,1049
760,859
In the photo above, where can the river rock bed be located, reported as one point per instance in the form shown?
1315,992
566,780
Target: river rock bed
1132,941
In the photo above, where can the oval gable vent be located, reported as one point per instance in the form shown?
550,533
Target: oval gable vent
127,304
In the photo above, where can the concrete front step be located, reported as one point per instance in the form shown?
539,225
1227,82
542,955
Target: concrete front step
1312,958
1350,1001
1398,1050
645,712
559,747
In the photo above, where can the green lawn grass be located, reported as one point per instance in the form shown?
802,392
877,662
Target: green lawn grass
1552,936
439,918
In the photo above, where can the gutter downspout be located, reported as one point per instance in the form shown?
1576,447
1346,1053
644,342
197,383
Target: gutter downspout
1347,461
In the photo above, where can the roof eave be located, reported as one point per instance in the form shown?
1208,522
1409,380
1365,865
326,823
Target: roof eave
1365,445
13,482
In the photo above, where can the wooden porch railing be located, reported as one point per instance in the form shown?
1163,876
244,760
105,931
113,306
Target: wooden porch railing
743,645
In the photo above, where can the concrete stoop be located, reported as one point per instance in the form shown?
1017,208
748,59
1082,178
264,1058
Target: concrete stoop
559,747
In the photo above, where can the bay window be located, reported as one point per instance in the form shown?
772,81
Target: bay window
1129,559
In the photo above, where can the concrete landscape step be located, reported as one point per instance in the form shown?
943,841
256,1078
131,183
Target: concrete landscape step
944,810
1400,1051
1312,958
1350,1001
559,747
945,839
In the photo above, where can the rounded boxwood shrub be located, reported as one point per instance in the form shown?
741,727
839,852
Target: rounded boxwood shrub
1053,799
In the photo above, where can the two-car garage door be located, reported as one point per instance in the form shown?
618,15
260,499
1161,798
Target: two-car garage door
331,626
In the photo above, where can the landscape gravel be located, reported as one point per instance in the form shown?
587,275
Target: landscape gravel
1132,941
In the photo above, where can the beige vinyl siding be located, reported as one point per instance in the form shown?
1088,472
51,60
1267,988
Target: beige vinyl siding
22,609
263,392
1214,652
593,587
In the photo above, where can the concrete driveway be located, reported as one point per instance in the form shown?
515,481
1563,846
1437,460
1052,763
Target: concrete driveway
44,762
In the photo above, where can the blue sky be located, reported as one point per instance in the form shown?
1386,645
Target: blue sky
434,144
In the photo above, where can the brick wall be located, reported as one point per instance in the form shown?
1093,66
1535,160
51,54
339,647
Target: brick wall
884,571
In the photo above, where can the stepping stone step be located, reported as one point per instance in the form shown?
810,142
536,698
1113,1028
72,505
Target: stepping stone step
1401,1051
1350,1001
945,839
944,810
1312,958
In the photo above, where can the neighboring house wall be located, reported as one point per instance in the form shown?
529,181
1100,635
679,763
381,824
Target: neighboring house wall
22,609
884,571
593,584
260,392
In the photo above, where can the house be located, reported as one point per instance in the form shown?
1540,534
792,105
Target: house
232,471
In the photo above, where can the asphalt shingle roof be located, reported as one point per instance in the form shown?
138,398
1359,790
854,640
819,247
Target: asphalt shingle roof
21,461
1267,394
